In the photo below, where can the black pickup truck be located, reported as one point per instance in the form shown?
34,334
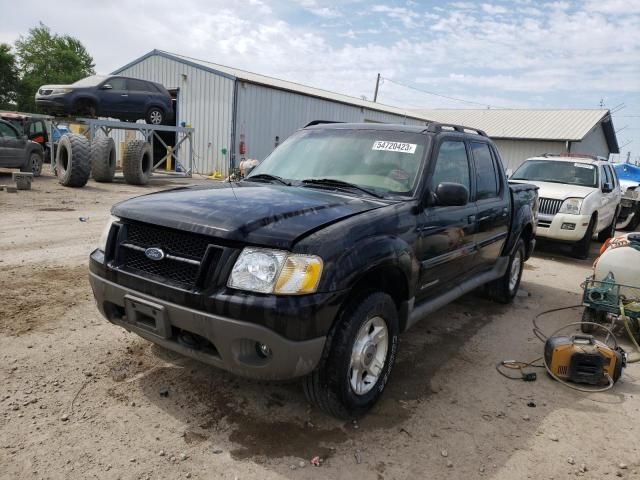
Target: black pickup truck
341,239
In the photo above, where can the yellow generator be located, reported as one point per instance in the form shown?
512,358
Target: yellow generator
583,359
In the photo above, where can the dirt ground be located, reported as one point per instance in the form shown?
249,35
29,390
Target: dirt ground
81,398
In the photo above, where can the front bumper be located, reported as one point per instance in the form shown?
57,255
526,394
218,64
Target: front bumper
550,226
224,342
52,104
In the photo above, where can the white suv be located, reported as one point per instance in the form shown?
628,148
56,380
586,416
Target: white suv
579,197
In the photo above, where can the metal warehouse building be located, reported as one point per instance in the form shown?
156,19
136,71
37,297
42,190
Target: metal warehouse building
239,114
521,134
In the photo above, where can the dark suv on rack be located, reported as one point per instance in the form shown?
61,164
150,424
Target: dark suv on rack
310,267
124,98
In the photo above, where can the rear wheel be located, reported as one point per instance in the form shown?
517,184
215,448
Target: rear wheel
34,164
155,116
358,358
504,289
581,249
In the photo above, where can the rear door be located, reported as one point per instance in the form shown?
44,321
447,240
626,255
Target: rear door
445,245
492,203
139,96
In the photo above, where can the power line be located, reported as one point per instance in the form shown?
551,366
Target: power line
439,95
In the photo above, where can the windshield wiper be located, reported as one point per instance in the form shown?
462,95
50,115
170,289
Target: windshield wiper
267,176
332,182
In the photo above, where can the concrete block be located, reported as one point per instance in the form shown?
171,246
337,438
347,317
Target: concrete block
23,180
11,189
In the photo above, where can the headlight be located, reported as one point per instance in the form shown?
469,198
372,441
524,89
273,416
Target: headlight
60,91
571,205
275,271
102,243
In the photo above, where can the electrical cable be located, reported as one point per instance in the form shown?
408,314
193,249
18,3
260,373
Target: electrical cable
625,320
517,365
486,105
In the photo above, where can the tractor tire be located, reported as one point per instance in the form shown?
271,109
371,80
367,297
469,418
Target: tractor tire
137,162
73,160
103,159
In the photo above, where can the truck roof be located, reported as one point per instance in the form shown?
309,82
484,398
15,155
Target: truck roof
429,127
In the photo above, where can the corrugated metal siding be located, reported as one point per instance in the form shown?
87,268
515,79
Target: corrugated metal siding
595,143
514,152
264,113
205,102
523,124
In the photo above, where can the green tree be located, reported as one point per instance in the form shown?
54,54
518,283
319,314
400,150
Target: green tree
8,77
48,58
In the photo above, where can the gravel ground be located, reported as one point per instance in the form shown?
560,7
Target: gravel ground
81,398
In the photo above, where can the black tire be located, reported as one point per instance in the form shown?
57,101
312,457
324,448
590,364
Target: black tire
103,159
610,231
137,162
329,386
634,221
504,289
34,164
73,160
581,249
85,108
155,116
594,316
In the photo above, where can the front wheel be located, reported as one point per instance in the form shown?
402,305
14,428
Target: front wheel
358,358
610,231
581,249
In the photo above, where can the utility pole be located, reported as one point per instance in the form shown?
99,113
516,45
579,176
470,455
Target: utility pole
375,94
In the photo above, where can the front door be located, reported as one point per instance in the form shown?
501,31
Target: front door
493,202
445,244
114,101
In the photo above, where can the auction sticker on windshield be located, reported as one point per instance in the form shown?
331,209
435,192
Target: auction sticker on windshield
394,146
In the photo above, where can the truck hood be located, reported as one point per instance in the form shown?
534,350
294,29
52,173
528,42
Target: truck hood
559,191
253,213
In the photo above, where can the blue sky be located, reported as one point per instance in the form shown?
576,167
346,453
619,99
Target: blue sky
503,54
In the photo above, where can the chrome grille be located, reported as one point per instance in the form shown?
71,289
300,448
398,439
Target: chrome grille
549,206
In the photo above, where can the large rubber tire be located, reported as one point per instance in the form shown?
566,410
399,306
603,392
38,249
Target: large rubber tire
103,159
329,386
610,231
34,164
73,160
581,249
591,315
635,221
155,116
137,162
505,288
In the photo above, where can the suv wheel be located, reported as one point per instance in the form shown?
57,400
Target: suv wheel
358,358
581,249
34,164
85,108
155,116
505,288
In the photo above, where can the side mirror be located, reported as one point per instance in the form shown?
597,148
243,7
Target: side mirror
607,187
451,194
106,86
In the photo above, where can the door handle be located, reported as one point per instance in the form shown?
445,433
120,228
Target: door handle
124,95
482,219
471,218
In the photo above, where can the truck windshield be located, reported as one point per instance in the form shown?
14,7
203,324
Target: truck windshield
384,161
555,171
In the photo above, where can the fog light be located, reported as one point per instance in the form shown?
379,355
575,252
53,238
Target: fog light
263,350
568,226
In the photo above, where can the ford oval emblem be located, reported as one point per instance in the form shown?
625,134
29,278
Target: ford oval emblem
154,254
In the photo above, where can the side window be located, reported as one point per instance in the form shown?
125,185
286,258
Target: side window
452,164
7,132
612,174
138,85
118,83
486,177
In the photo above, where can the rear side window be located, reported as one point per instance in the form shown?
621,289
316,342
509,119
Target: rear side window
452,165
486,175
7,132
139,86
